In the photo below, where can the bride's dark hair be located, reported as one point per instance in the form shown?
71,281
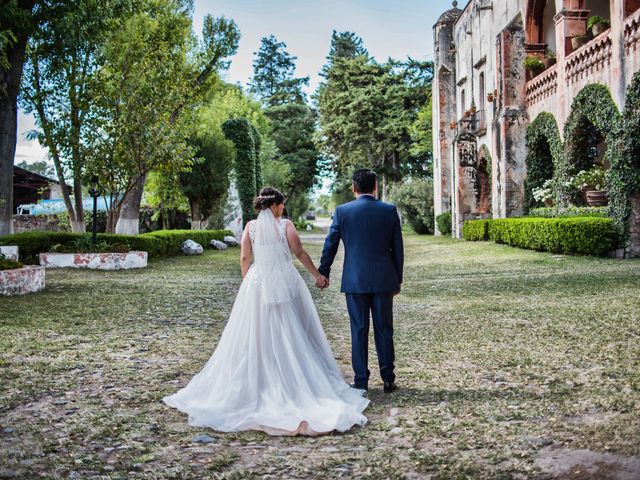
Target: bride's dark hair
268,196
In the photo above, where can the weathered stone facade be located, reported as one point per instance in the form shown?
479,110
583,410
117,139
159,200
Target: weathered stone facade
36,223
21,281
486,100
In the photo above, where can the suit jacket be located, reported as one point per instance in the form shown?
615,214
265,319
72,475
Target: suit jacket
374,253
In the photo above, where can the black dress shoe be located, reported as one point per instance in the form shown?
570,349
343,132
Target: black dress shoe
390,387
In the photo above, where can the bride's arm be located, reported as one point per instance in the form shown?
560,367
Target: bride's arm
296,247
245,251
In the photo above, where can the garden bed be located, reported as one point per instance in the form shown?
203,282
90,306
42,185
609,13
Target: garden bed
95,261
21,281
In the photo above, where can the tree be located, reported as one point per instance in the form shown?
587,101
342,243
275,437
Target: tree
17,21
273,79
153,71
240,132
62,59
368,114
344,45
207,183
293,122
41,167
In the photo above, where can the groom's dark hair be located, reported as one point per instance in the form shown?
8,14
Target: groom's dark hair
364,180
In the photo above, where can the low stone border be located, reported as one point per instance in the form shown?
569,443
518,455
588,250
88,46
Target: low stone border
21,281
95,261
10,252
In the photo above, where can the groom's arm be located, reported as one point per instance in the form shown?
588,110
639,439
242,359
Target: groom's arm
331,244
397,247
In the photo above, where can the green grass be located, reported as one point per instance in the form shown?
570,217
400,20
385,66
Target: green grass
501,353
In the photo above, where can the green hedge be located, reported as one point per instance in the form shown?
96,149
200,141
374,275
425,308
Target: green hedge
577,235
475,230
161,243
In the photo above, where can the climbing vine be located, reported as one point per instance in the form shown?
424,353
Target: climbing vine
240,132
594,107
546,152
624,176
257,147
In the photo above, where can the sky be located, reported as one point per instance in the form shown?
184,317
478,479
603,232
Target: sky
389,28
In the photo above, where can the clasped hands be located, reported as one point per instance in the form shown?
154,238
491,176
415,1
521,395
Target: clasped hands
322,282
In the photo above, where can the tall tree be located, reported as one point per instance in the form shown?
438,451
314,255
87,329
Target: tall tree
63,56
207,182
344,45
293,122
368,112
18,18
273,70
154,74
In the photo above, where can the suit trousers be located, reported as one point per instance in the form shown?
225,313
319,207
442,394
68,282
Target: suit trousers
363,307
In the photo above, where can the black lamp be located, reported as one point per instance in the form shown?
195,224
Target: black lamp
94,191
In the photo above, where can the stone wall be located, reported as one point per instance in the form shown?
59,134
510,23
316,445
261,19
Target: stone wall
35,223
22,280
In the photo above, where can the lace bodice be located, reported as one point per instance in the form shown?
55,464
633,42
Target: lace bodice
282,230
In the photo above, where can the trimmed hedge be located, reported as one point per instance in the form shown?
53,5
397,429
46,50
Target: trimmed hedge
475,230
444,223
161,243
577,235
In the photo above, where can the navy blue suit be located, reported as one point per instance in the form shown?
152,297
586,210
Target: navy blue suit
373,261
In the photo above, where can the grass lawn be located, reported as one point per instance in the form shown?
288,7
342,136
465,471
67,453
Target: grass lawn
511,363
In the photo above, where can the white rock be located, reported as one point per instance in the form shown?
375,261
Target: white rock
217,244
192,248
394,412
231,241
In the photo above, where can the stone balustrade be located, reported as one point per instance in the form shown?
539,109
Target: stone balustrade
589,59
542,86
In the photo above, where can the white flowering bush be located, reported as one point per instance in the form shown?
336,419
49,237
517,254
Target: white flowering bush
546,193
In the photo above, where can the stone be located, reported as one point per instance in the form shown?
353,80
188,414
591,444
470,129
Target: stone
394,412
396,431
202,438
95,261
21,281
190,247
231,241
8,430
218,245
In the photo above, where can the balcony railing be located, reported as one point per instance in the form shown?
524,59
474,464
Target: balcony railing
589,58
542,86
475,123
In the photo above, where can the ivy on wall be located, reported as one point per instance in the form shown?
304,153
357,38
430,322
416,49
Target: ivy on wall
546,152
485,163
257,147
624,176
240,132
594,107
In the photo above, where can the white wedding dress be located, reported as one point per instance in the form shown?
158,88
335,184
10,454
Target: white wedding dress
273,369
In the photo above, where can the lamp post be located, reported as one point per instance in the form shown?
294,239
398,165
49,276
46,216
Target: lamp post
95,193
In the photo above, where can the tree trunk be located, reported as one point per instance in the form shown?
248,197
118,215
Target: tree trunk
129,218
196,216
385,187
9,89
77,222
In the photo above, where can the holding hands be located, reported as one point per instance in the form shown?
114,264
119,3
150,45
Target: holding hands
322,282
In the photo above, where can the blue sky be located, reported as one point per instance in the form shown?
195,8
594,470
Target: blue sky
389,28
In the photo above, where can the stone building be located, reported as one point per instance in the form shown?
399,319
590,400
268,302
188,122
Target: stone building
484,99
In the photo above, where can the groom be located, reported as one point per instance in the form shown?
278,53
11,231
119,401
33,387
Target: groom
372,274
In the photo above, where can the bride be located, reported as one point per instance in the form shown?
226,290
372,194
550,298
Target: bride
273,369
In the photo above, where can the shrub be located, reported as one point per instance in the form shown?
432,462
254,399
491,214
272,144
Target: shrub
157,244
475,230
415,200
444,223
577,235
8,264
